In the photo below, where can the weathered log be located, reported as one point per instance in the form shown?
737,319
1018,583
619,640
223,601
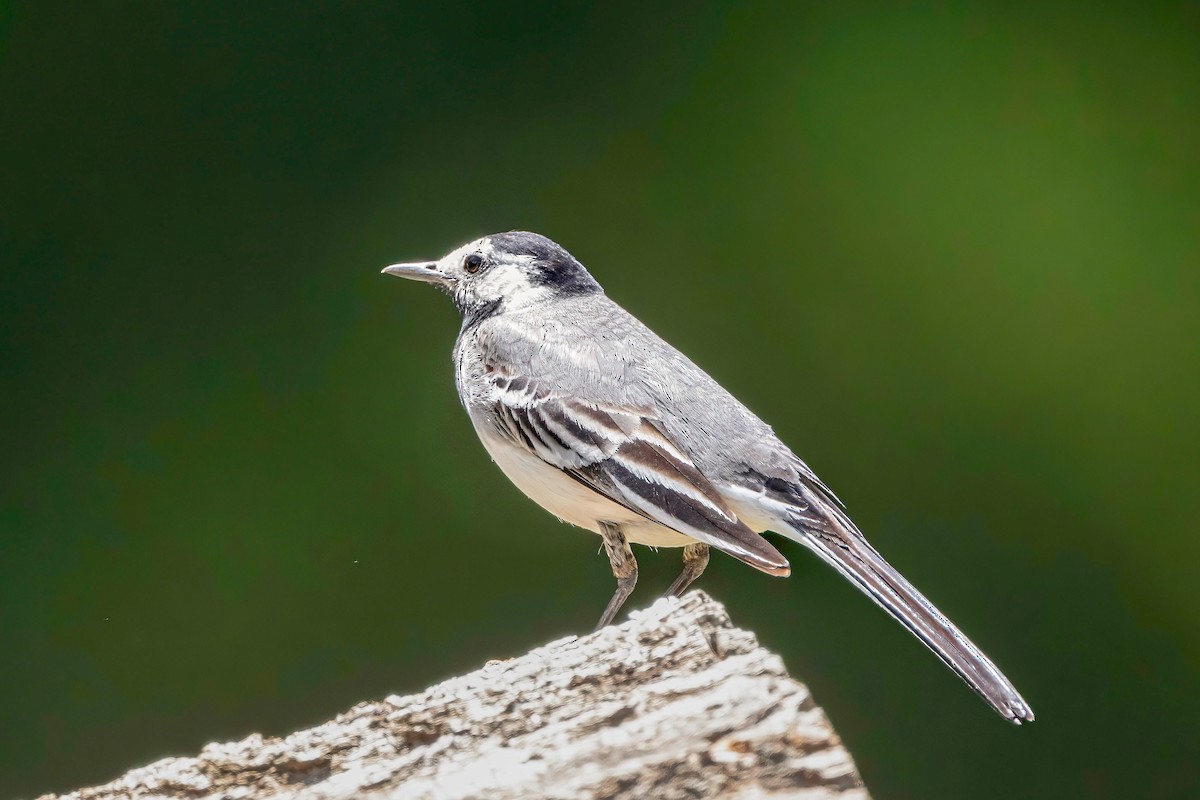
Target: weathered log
674,703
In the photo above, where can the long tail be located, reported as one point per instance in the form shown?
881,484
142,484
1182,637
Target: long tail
839,543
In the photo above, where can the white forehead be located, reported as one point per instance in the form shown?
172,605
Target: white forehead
458,254
485,248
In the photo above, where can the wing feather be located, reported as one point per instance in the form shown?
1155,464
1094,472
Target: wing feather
624,454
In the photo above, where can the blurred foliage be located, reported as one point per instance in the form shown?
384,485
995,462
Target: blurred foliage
950,253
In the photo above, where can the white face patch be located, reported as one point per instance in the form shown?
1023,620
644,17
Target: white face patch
505,277
452,262
510,281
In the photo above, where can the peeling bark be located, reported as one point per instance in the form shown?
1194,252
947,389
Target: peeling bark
674,703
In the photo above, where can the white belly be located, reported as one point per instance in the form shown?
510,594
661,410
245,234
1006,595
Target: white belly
571,501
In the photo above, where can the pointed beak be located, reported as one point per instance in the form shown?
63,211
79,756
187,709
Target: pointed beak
425,271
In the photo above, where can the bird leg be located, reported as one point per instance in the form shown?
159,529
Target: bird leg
695,559
624,569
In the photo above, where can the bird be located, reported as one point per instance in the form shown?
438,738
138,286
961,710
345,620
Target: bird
608,427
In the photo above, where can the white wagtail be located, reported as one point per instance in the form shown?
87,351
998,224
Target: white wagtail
608,427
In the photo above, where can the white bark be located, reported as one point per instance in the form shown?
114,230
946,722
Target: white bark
675,703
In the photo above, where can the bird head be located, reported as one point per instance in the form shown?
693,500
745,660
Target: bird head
504,271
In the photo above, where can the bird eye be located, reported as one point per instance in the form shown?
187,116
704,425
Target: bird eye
473,262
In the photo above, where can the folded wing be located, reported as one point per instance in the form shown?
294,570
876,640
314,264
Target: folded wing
623,453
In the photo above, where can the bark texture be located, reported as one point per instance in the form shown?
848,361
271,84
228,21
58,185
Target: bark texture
674,703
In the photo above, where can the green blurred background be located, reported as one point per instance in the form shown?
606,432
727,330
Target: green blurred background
951,254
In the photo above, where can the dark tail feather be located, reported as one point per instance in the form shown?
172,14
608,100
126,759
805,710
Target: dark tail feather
851,555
